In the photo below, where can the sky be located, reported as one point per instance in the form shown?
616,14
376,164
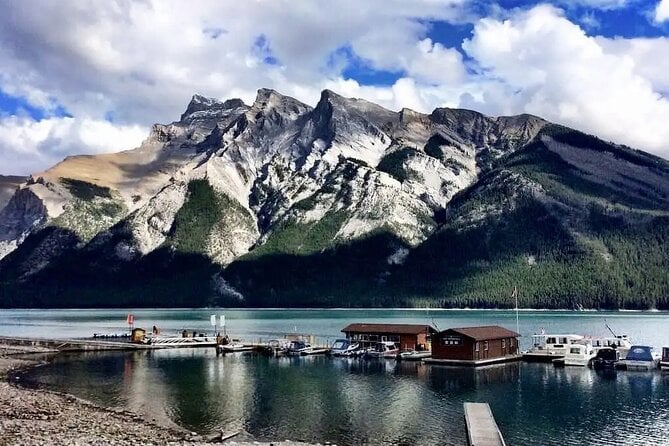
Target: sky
84,77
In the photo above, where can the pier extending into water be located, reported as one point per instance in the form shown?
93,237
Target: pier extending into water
71,345
481,426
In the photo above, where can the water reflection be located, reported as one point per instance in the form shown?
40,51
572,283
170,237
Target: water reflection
351,401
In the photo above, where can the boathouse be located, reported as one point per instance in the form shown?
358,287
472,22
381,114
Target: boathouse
475,345
406,336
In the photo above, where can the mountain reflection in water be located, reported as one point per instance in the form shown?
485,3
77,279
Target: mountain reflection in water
351,401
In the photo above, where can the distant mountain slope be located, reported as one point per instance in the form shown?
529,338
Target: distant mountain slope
342,204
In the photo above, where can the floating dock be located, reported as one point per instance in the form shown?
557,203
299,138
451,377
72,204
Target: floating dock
481,427
473,363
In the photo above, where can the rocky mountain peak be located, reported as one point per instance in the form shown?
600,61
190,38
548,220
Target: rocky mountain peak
270,101
199,103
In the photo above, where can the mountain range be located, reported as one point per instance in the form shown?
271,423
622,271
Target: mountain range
345,204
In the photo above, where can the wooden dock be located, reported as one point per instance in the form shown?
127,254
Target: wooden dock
481,427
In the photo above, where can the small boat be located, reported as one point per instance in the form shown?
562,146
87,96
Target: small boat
606,358
343,347
640,357
664,362
298,348
275,347
385,349
234,346
546,347
578,355
414,355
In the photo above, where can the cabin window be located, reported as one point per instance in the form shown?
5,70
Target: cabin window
563,341
384,338
503,343
452,340
364,338
485,345
551,340
574,350
373,337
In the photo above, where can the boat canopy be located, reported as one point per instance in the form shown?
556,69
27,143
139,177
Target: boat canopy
340,344
640,353
296,345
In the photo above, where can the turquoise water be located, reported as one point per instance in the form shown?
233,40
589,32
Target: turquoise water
353,401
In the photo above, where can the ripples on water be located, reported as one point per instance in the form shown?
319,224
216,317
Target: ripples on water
351,401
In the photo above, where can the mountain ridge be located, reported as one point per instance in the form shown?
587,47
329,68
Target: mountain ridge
342,204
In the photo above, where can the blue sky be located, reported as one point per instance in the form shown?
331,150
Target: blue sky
86,77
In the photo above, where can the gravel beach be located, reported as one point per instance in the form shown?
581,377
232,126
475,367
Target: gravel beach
41,417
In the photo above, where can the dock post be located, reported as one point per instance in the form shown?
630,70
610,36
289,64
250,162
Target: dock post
482,430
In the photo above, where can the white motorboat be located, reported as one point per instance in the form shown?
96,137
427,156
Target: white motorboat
546,347
640,357
621,343
385,349
298,347
414,355
234,346
578,354
343,347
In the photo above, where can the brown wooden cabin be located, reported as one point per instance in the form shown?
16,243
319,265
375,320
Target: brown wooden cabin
407,336
475,345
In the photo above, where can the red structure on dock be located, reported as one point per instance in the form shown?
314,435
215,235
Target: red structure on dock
474,346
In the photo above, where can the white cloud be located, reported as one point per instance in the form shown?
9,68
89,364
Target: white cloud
662,11
28,146
142,61
548,66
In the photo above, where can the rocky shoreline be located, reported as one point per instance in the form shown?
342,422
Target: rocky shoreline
42,417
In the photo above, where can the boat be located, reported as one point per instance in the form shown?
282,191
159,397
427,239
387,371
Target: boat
343,347
546,347
664,362
640,357
579,354
606,358
384,349
233,347
414,355
275,347
298,347
621,343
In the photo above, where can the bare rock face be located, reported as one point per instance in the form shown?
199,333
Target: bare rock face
8,186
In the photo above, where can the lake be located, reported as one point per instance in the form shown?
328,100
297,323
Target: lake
351,401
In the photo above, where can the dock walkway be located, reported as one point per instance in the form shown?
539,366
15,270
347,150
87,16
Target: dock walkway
481,427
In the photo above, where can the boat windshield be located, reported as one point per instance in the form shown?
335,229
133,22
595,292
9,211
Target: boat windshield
340,344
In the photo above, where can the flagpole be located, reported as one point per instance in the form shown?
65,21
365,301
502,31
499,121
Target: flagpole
515,294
